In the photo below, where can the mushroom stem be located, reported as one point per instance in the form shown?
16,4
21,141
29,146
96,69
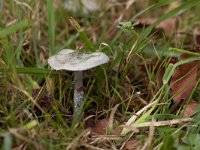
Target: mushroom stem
78,92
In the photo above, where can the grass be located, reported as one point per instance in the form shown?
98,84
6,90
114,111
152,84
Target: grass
36,102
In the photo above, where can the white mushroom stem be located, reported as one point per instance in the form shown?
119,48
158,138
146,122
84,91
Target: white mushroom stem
78,91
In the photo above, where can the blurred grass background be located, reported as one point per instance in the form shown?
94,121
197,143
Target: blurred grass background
36,102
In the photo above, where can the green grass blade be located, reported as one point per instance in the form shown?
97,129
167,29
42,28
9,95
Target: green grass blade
168,73
82,34
31,70
8,54
51,26
152,7
184,51
13,28
185,6
7,143
171,68
187,60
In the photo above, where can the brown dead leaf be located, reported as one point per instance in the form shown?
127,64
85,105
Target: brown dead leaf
133,144
168,26
159,77
184,80
100,127
189,109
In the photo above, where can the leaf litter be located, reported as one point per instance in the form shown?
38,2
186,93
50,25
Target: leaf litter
184,79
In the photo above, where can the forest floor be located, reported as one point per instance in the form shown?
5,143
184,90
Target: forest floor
146,97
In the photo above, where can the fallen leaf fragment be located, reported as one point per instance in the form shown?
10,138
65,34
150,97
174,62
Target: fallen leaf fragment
159,77
133,144
184,80
189,109
100,127
168,26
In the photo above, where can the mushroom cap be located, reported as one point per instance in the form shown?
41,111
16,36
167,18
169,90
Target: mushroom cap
72,60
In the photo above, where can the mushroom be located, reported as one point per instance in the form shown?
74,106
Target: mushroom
77,62
77,6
